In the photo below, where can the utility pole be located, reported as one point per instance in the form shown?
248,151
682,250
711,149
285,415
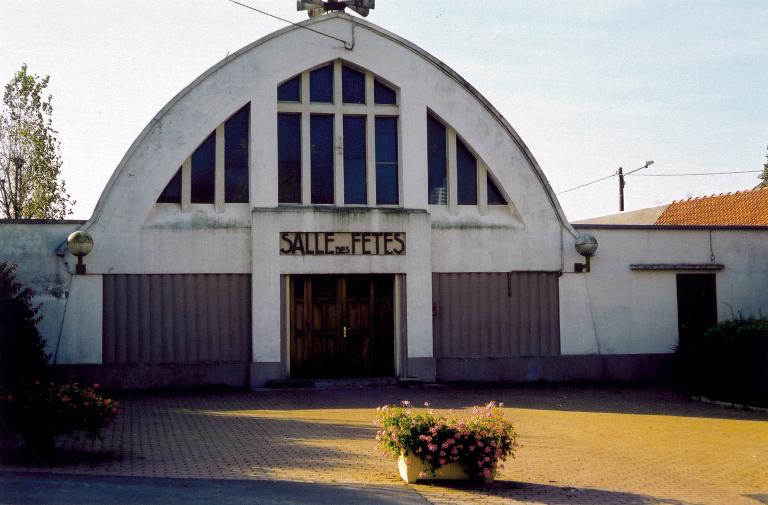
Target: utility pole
621,189
622,183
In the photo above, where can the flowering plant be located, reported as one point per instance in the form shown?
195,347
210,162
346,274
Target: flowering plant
41,411
477,443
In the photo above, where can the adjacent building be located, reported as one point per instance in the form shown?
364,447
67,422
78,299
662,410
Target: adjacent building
310,208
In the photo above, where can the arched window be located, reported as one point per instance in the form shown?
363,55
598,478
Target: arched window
217,171
337,138
450,159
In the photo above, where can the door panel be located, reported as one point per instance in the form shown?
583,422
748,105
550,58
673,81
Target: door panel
696,305
341,326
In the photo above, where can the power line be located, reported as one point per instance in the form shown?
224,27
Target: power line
701,173
588,183
660,175
346,44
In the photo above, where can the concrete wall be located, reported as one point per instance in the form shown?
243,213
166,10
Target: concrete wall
138,236
269,264
615,310
32,246
135,235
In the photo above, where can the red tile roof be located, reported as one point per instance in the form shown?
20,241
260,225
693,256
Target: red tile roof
745,208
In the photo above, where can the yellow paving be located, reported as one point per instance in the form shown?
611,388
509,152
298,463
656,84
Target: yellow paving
579,444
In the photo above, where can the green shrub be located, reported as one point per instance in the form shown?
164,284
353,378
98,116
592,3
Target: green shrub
729,362
42,411
31,405
22,350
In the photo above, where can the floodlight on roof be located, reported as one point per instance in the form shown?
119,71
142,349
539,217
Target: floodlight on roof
320,7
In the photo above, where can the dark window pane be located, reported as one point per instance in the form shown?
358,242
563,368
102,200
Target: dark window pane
494,195
383,94
321,138
352,85
172,192
386,161
236,156
204,171
466,176
289,158
290,91
321,84
354,160
437,162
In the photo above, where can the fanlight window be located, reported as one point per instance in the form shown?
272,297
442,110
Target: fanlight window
450,159
217,171
337,136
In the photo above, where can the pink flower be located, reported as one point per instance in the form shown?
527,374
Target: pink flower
471,447
487,449
450,441
442,453
487,473
486,459
432,447
454,451
442,461
445,445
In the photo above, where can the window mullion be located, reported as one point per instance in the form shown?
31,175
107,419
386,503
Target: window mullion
186,185
218,195
370,140
306,146
338,136
306,165
482,187
453,208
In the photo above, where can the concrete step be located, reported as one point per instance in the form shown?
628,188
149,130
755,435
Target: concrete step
333,383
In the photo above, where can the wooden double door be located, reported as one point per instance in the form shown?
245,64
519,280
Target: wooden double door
341,326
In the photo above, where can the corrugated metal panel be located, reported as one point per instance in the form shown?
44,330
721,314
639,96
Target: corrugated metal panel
174,318
502,314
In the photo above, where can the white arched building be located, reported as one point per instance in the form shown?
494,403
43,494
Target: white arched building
309,210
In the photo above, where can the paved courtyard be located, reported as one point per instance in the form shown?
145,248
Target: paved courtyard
579,445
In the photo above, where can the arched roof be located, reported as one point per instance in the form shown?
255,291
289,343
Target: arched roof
314,23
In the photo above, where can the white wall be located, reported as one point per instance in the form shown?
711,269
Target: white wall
268,265
136,235
32,247
133,234
81,334
620,311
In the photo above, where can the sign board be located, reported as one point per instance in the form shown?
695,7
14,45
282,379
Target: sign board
320,243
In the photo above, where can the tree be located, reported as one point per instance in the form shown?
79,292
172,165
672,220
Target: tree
22,349
29,153
764,175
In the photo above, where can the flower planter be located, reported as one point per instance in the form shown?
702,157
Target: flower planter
471,449
413,468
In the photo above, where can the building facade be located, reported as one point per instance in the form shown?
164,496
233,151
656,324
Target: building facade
309,208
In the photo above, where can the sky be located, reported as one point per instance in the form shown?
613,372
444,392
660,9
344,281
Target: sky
589,85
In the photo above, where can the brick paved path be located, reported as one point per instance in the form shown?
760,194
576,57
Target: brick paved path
579,444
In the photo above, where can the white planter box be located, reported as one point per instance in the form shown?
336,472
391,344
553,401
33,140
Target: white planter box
412,466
